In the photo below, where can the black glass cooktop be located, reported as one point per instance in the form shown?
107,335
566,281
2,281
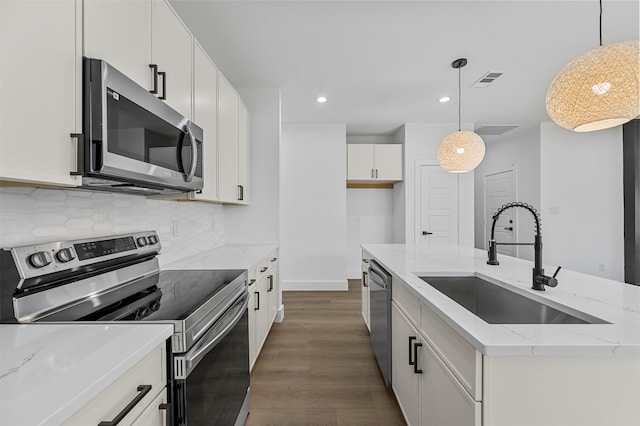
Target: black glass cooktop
175,296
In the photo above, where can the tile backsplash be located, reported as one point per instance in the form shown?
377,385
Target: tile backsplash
35,215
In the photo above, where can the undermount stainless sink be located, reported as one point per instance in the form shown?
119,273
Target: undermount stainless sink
498,305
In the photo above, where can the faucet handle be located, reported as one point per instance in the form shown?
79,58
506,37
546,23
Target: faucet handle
556,272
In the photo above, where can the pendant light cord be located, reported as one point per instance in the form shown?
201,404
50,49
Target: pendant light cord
600,23
459,100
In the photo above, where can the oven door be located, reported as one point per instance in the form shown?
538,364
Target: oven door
212,378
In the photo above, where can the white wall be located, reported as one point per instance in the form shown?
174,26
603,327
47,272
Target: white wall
582,200
258,223
33,216
369,220
520,152
421,143
313,210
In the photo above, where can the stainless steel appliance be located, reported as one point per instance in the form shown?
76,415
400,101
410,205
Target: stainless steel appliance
380,317
117,278
132,141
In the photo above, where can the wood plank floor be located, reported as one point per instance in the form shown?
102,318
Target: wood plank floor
317,367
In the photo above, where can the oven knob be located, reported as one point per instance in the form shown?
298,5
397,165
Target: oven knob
40,259
152,239
65,255
142,241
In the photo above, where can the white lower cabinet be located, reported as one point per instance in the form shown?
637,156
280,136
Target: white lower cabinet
427,391
405,381
263,303
143,386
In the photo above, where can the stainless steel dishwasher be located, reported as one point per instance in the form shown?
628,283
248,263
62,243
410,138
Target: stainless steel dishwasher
380,313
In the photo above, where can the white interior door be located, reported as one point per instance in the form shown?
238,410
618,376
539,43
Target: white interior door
499,190
437,218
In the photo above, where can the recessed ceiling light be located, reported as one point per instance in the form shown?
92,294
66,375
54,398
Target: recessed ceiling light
321,99
444,99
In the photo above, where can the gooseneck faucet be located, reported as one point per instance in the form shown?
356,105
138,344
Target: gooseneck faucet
539,278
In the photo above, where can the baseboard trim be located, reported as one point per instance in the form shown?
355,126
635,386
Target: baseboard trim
280,314
340,285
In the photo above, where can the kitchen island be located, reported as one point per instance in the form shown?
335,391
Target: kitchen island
474,372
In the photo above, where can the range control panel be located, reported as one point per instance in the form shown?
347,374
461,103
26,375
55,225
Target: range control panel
43,259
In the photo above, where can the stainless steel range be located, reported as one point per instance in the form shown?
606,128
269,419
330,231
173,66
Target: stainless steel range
117,278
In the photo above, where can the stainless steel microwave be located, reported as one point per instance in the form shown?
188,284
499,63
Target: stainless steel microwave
132,141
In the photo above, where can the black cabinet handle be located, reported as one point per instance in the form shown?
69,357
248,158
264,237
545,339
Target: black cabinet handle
257,293
154,68
411,339
273,259
164,406
376,173
270,278
240,193
364,279
79,137
415,358
509,228
264,269
164,85
253,280
143,389
427,233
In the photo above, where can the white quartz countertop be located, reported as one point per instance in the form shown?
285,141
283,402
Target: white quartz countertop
611,301
49,371
230,256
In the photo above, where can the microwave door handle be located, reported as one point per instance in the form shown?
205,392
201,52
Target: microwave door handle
194,154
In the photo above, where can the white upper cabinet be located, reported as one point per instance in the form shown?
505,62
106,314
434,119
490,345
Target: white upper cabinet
134,35
205,114
374,162
41,81
233,145
171,50
119,32
243,152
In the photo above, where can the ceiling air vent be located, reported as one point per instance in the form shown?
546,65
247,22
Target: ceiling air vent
486,79
495,130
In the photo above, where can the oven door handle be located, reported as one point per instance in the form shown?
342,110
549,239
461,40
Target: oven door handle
215,334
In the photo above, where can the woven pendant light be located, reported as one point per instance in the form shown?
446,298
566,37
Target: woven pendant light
598,90
461,151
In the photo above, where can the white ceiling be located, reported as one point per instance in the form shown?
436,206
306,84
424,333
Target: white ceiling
386,63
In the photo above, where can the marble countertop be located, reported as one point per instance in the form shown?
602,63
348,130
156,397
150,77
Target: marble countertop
49,371
230,256
611,301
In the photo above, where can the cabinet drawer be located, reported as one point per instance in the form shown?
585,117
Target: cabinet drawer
151,370
406,300
154,415
461,357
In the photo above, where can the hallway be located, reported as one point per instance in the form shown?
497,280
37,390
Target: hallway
317,367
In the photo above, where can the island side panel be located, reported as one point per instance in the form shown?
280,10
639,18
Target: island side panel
533,391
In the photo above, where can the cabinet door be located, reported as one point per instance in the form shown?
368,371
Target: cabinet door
172,46
243,152
405,382
40,76
227,142
388,161
444,402
360,162
365,298
272,294
119,32
205,115
262,313
253,315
